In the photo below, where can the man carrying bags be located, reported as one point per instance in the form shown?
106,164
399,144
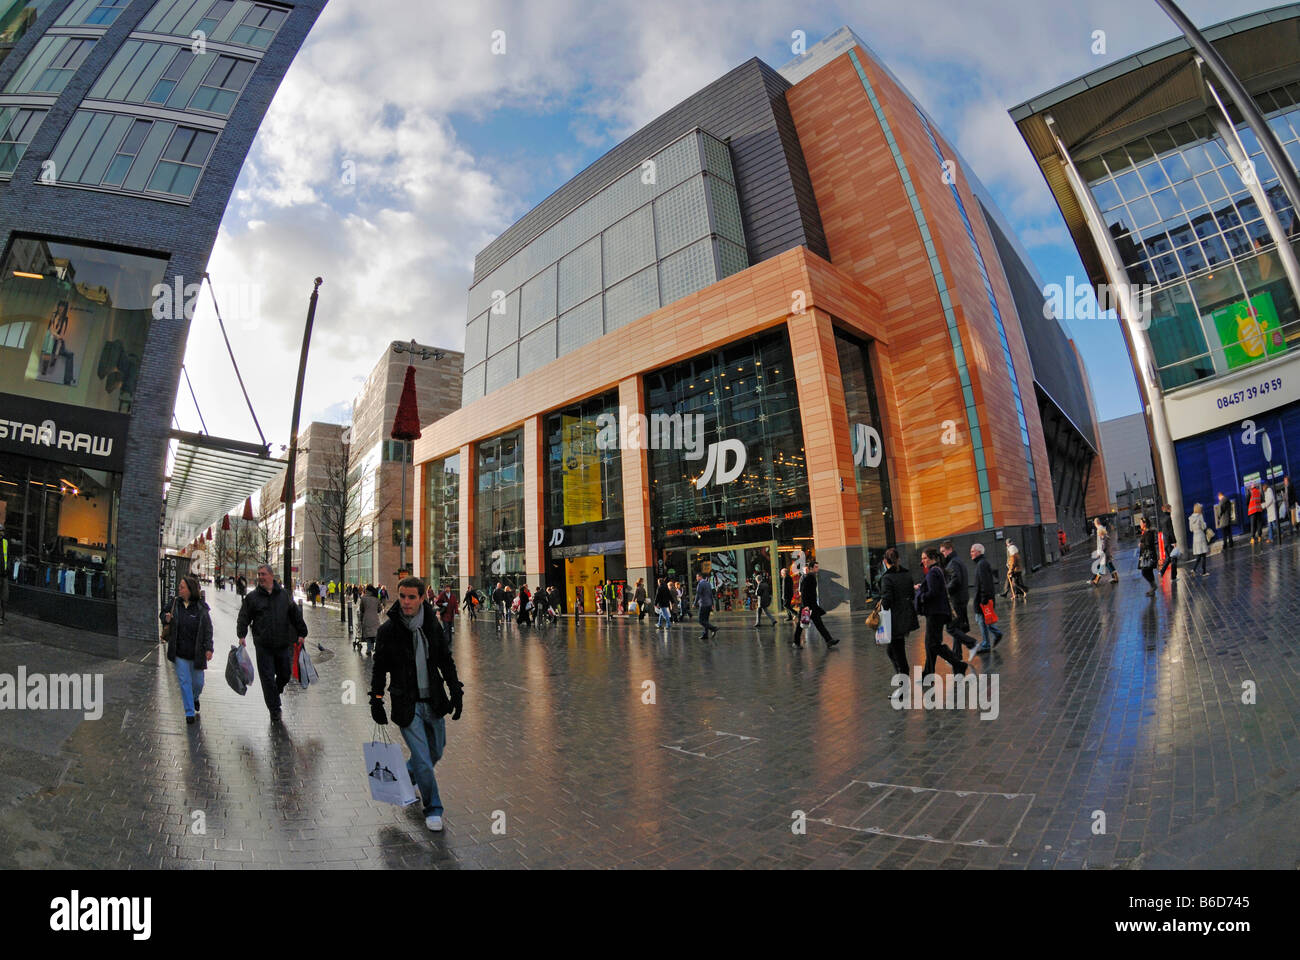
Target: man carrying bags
277,624
413,650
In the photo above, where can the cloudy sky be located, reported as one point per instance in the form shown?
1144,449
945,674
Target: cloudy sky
399,145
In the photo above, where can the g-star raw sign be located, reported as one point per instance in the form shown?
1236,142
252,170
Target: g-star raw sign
62,432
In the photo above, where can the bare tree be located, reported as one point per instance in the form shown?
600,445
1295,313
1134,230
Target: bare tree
337,505
260,532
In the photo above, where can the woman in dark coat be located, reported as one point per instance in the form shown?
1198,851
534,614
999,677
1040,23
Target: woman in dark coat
190,647
932,601
1147,555
896,597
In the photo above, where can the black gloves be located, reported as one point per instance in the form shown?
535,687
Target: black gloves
457,700
377,710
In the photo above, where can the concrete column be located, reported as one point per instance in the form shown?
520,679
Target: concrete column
828,449
534,500
468,493
639,549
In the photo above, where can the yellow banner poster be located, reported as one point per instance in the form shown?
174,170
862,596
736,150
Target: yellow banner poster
581,471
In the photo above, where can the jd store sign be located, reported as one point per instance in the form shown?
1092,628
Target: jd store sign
868,450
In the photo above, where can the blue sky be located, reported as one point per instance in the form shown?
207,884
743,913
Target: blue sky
399,145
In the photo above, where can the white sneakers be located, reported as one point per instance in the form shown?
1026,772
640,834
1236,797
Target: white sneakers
433,822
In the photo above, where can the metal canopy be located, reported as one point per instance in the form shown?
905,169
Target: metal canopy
1130,98
211,477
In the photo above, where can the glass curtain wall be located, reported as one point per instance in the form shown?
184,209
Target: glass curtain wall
1185,222
499,510
442,501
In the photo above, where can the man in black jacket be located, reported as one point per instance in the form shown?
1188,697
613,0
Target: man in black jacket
896,596
954,574
808,598
932,603
412,649
277,623
1171,543
763,598
787,595
983,594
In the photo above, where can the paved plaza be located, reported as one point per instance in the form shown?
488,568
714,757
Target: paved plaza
1109,703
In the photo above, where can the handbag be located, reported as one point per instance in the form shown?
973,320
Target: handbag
805,616
169,634
873,618
885,628
986,610
390,781
1210,534
306,669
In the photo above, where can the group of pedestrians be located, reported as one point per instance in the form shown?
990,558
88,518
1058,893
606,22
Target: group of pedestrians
943,598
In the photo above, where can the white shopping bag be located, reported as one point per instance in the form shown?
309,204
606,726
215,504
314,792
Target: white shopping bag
386,773
884,632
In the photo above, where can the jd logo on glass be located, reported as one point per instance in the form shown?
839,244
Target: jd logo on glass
717,463
867,448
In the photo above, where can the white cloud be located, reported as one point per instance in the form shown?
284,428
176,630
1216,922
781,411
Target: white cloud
377,82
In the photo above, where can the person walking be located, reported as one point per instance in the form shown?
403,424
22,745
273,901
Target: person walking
1015,574
448,606
276,622
1270,512
369,616
1200,542
611,600
1224,516
641,599
954,575
470,603
1286,503
1147,554
1172,553
1255,511
787,595
932,603
190,647
896,596
241,586
984,589
499,599
704,601
664,604
763,599
1105,560
414,652
808,601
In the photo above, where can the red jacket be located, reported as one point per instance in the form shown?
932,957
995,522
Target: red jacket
448,605
1256,501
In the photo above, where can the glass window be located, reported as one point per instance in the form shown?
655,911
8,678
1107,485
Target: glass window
1106,195
1177,339
258,27
50,65
584,473
90,311
221,86
499,510
61,525
17,127
182,161
681,216
16,18
216,13
105,12
628,246
632,299
442,500
866,430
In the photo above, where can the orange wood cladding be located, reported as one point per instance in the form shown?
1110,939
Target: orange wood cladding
636,483
534,497
873,236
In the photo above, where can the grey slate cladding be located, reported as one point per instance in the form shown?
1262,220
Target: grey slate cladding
184,233
747,107
1055,370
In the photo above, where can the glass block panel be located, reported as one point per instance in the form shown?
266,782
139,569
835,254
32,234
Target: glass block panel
537,349
686,271
733,258
717,159
726,211
629,246
476,341
472,386
538,304
676,163
580,326
623,196
579,276
681,216
633,298
503,368
503,328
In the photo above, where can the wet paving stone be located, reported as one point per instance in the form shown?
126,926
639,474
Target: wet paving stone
1114,711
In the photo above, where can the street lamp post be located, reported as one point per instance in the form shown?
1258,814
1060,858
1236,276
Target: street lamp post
288,496
406,427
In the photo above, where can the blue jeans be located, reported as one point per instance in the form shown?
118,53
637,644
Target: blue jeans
191,683
665,617
1273,531
426,737
986,628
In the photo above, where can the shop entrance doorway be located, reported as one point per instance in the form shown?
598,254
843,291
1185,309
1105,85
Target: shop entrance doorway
731,570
